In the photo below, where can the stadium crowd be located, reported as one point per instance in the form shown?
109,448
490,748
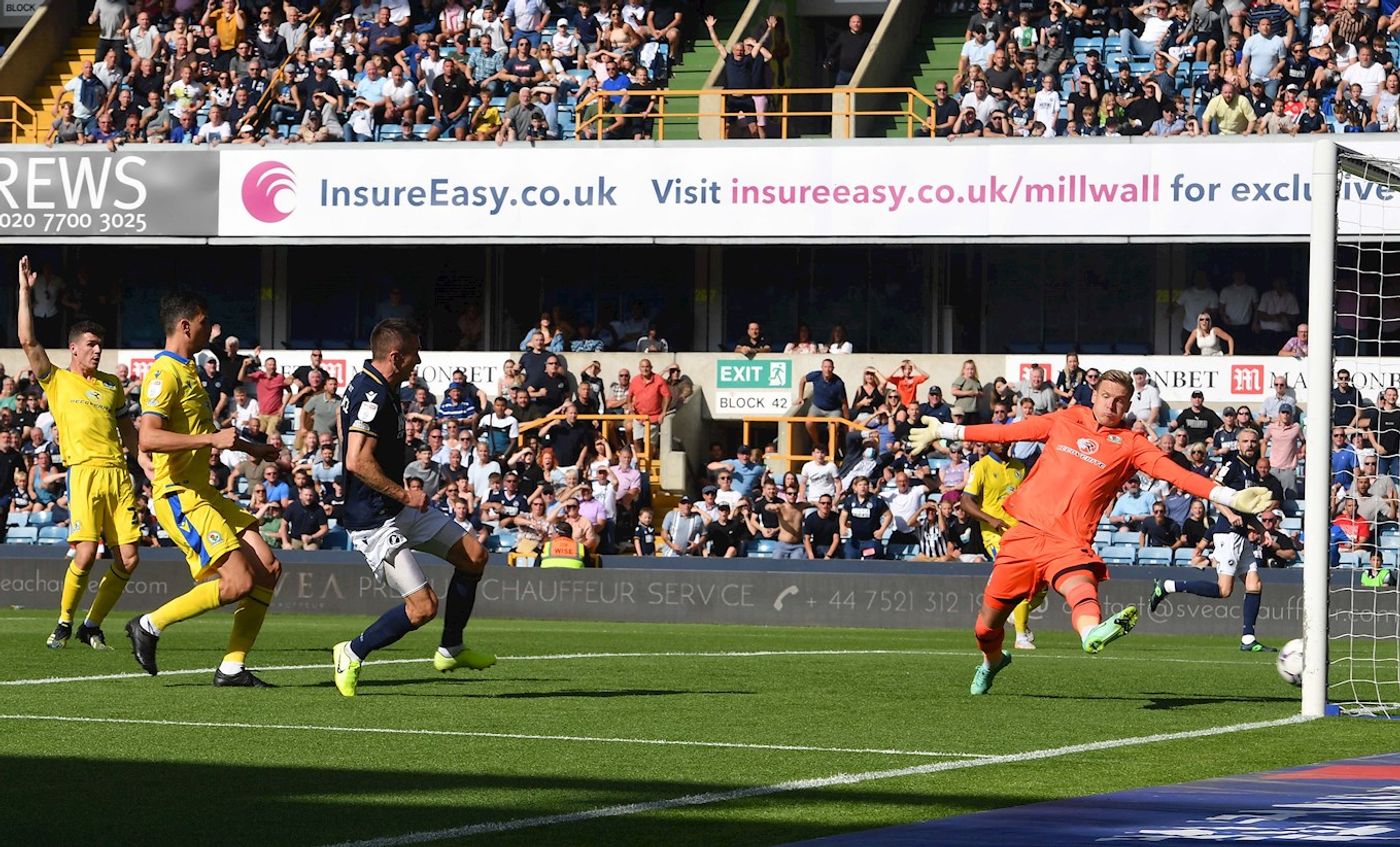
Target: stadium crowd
1172,67
872,499
174,71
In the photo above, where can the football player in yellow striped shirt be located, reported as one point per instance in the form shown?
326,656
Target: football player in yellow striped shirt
990,481
89,410
228,559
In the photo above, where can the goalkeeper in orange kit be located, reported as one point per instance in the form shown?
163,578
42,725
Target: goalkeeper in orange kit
1088,456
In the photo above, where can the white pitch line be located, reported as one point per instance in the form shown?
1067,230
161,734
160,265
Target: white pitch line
514,736
736,654
713,797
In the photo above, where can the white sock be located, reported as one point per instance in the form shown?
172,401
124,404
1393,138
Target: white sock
148,626
1247,639
230,668
1169,586
450,652
351,653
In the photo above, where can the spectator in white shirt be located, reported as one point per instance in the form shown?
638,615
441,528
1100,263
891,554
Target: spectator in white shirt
1156,20
216,130
905,502
1367,73
1146,402
1047,104
1198,298
1277,312
1237,301
980,100
819,478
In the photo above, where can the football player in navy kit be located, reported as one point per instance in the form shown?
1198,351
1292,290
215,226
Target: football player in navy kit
387,521
1235,538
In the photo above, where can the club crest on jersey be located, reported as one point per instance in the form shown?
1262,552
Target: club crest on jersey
1087,446
1113,439
214,536
153,390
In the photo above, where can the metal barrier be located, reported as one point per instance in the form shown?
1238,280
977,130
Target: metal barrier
18,120
779,107
793,421
263,107
644,457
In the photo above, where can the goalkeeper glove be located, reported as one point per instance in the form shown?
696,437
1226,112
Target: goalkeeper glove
933,430
1249,501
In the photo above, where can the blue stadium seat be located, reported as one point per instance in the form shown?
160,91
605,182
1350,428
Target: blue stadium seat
1293,524
1389,541
1183,556
241,485
337,539
40,518
761,548
1103,536
1155,556
903,552
53,535
22,535
1119,555
1355,559
17,519
502,541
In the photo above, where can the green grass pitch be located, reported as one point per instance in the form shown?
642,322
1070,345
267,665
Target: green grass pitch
284,767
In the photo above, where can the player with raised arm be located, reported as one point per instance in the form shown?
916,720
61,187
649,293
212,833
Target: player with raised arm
1088,455
1233,544
387,521
990,481
228,558
89,409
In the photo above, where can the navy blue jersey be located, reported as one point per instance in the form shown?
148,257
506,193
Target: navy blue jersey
647,536
510,506
1238,474
372,408
864,515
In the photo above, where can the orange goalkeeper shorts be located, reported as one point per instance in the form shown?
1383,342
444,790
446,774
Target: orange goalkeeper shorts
1031,559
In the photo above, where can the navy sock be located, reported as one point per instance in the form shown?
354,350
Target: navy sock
391,626
1200,587
1252,600
461,597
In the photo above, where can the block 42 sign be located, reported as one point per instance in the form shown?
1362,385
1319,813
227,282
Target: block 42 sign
752,387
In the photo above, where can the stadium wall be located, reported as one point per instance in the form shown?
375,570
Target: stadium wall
733,386
888,191
887,595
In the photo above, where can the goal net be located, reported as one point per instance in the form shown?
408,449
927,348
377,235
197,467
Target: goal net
1350,506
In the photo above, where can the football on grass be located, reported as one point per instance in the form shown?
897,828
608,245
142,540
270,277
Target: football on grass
1290,662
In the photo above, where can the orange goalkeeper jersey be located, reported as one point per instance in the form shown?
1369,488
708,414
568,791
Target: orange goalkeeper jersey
1081,470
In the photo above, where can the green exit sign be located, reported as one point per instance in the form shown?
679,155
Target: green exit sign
754,374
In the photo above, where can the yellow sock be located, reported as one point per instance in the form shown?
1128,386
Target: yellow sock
1021,615
247,621
75,582
202,598
109,591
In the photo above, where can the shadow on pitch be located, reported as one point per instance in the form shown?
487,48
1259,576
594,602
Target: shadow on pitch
578,693
343,797
1154,701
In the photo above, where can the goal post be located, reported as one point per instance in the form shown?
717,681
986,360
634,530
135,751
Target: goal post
1351,618
1317,492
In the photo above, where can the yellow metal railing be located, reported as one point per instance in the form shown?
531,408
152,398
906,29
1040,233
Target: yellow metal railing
792,422
609,422
19,120
779,107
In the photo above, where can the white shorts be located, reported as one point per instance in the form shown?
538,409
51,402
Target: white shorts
389,548
1231,551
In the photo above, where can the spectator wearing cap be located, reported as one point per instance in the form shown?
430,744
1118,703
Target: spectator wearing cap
1197,421
1146,402
682,387
682,531
1277,547
724,537
829,398
1283,445
934,407
463,404
1224,442
745,471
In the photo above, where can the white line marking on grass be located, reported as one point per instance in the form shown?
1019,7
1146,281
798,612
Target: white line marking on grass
515,736
735,654
713,797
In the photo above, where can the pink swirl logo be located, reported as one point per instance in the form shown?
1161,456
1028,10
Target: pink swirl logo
270,192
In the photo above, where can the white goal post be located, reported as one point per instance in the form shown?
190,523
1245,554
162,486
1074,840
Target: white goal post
1351,623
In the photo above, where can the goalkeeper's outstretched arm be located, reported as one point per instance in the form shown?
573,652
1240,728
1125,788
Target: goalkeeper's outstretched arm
1031,429
1156,464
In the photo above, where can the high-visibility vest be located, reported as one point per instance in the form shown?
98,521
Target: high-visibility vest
562,552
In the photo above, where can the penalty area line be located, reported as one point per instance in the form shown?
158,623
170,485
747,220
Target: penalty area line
714,797
512,736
